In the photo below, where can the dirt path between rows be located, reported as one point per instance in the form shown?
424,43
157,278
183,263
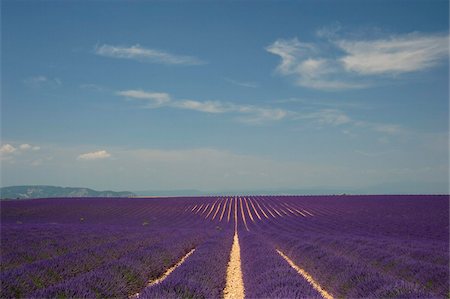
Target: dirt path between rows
166,274
306,276
234,288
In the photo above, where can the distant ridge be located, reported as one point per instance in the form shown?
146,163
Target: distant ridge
41,191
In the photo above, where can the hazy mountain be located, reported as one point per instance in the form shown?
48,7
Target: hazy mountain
25,192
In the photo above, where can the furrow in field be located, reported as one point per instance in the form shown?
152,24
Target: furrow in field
234,288
269,207
167,273
206,207
199,208
275,210
306,276
297,210
223,210
248,209
254,209
243,215
261,209
212,208
235,214
268,210
290,210
217,210
311,214
229,209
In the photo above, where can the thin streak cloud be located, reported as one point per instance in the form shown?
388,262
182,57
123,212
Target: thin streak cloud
149,55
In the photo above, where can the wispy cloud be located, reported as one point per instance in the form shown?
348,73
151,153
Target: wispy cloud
255,115
246,113
394,55
42,81
338,63
155,99
303,62
242,84
142,54
94,155
206,106
390,129
332,117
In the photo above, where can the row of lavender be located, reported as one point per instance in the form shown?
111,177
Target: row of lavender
90,248
370,246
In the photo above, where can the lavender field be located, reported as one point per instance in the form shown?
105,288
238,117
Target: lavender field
184,247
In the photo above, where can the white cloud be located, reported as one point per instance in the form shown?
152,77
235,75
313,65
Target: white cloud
43,81
10,152
318,66
94,155
25,146
395,55
248,113
7,149
156,99
139,53
207,106
301,61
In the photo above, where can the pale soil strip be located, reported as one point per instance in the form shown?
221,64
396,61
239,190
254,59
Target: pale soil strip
281,208
235,214
268,210
289,209
295,209
223,210
234,288
306,276
204,209
248,209
212,208
199,208
275,210
304,215
167,273
262,211
283,211
254,209
194,208
218,208
243,215
308,212
229,209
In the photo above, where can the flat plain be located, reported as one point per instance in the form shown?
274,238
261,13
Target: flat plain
226,247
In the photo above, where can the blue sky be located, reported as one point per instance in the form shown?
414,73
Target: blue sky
226,95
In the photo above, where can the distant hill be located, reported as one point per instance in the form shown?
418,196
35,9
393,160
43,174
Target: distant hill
26,192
